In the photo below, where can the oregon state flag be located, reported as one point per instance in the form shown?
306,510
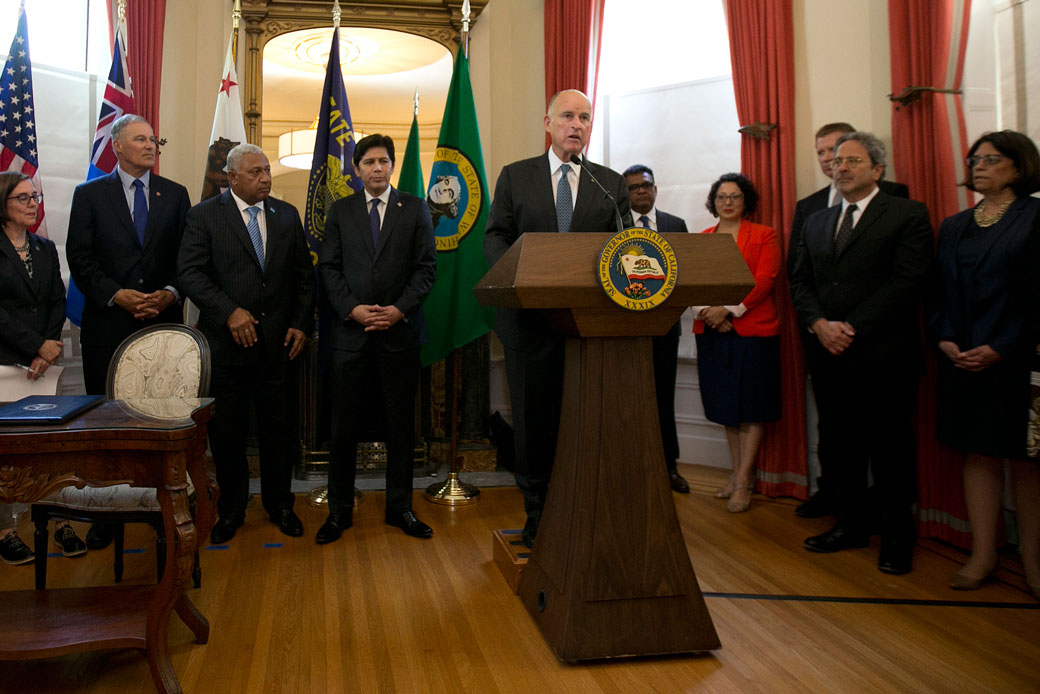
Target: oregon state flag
459,204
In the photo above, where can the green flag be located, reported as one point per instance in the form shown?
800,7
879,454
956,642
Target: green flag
411,180
458,200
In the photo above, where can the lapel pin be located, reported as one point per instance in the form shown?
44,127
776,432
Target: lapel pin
398,204
158,194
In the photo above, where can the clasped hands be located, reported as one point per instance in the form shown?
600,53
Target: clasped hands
375,317
835,335
975,359
241,323
48,353
142,305
717,318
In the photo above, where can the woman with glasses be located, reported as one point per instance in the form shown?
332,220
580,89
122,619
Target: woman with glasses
979,303
738,348
32,312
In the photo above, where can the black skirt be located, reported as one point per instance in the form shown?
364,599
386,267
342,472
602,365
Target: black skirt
739,377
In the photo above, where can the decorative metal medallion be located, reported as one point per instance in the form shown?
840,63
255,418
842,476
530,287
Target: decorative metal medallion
638,269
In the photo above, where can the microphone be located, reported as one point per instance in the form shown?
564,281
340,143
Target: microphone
617,212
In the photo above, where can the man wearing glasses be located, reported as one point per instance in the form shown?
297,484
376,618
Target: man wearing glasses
856,286
642,196
821,502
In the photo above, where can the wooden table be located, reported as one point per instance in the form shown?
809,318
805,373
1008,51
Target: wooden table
147,443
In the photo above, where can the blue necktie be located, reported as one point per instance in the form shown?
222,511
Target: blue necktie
564,201
254,234
140,210
644,222
373,221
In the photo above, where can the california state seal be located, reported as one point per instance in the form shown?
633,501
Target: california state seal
638,269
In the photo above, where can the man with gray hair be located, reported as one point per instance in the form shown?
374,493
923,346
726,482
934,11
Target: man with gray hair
124,232
244,261
856,285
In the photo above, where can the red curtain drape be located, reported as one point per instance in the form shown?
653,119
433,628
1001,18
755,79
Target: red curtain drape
571,26
762,52
927,40
145,21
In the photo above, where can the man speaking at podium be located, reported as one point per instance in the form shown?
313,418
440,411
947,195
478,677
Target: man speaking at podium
556,192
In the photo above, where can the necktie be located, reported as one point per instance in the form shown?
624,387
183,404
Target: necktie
841,240
564,201
644,222
254,234
373,221
140,210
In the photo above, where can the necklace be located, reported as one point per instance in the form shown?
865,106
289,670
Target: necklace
987,220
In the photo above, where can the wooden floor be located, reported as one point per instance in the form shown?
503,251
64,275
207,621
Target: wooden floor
382,612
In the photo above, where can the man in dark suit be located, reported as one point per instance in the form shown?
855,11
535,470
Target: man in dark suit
377,264
642,195
535,196
856,287
124,232
245,263
821,502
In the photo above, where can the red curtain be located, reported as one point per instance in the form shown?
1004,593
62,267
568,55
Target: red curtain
927,40
571,27
762,52
145,21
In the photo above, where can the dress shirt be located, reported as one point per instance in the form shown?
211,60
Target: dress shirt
861,205
384,200
554,166
651,215
833,195
261,218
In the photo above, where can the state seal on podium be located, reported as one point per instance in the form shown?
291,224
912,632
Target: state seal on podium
638,269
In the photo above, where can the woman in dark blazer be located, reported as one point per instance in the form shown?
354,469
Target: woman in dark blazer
738,348
32,312
977,319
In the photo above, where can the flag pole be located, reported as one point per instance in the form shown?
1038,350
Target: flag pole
453,491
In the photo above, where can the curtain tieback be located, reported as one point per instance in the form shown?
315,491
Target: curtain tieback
912,94
759,131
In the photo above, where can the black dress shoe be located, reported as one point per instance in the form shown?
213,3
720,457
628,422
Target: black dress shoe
99,535
896,557
225,528
835,540
13,551
678,482
288,522
818,505
411,525
66,538
333,527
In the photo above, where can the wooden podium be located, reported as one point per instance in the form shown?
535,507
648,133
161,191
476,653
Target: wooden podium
609,575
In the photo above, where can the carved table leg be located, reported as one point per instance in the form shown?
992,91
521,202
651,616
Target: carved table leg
194,619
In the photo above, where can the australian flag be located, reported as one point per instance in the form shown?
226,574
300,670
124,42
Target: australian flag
118,99
19,149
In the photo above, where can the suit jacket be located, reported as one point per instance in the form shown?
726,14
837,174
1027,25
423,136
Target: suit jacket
524,204
219,271
31,309
398,271
761,251
105,255
986,307
819,201
669,223
874,285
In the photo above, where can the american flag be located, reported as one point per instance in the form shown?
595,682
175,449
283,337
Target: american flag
18,147
119,99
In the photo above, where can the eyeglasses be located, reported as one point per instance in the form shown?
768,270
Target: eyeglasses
987,159
723,198
24,198
646,185
836,162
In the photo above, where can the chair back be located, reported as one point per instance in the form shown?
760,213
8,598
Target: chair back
161,361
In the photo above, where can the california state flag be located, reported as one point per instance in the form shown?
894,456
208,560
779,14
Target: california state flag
228,127
642,267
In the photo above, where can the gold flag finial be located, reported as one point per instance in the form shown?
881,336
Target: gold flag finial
121,11
465,27
236,14
336,13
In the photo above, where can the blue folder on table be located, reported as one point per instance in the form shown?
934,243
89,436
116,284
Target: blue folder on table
47,409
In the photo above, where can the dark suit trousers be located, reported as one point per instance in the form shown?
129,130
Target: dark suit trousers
865,421
96,359
271,389
666,361
535,389
373,377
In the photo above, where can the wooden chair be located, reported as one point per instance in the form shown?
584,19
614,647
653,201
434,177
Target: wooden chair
161,362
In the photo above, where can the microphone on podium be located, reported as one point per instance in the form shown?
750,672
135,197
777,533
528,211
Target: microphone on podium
617,212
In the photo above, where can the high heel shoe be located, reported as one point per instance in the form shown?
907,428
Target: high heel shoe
725,492
963,582
741,498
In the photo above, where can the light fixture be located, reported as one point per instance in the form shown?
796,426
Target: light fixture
296,147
